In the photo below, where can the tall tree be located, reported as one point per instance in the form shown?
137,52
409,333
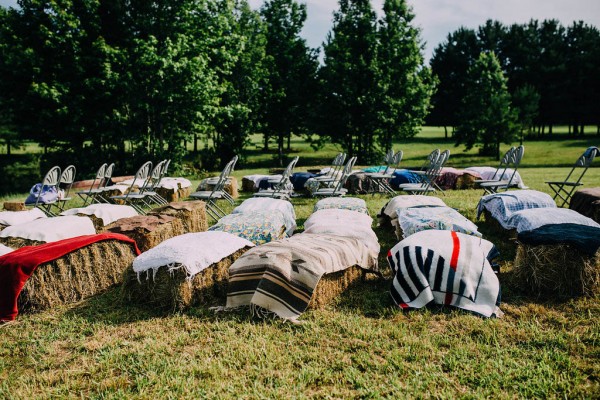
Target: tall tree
404,84
291,67
486,116
349,79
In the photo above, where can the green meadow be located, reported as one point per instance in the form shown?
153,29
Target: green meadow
360,346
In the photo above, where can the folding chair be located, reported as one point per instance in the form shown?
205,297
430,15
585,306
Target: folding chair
336,166
505,184
380,182
150,196
88,195
338,189
429,176
100,193
213,181
66,178
210,197
281,188
134,196
502,167
51,180
565,189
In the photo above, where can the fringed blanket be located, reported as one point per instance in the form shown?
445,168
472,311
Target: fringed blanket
109,213
533,218
258,227
342,203
9,218
51,229
404,201
448,268
280,277
17,266
265,204
449,176
503,205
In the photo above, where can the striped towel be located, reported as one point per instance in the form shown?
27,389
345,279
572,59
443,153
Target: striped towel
445,267
281,276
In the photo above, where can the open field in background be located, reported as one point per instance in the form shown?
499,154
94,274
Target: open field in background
360,346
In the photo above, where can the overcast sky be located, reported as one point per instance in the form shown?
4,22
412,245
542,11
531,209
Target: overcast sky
437,18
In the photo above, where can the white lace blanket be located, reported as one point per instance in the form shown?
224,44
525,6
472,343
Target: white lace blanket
344,223
404,201
487,173
4,249
193,251
19,217
107,212
51,229
527,220
174,183
255,204
503,205
416,219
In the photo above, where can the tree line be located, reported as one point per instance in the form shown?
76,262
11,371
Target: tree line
93,80
552,73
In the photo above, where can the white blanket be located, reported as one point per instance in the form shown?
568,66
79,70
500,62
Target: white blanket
174,183
51,229
5,249
487,173
404,201
257,178
19,217
503,205
527,220
416,219
343,203
344,223
109,213
193,251
254,204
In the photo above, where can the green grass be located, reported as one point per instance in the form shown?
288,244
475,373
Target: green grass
361,346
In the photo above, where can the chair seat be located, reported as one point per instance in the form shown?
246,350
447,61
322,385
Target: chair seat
565,183
205,194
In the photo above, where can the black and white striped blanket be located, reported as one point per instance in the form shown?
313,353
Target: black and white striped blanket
281,276
446,267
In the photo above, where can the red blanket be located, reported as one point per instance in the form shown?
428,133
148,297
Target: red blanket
17,266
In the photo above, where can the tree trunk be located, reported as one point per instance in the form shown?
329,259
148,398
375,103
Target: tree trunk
575,129
582,129
266,143
289,139
195,142
550,129
445,132
280,149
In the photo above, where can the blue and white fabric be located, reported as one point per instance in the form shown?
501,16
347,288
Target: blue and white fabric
260,204
528,220
413,220
503,205
342,203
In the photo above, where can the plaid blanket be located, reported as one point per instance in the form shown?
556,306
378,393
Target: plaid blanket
416,219
281,276
407,200
448,268
503,205
533,218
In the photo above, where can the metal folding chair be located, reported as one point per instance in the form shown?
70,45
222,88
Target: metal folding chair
563,190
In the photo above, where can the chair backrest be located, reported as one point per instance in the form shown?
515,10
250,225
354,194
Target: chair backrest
154,177
51,179
397,158
108,174
67,178
223,176
165,169
141,178
517,156
345,174
584,162
431,159
434,171
99,177
504,164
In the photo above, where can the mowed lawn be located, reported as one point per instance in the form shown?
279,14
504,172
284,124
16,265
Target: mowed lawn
360,346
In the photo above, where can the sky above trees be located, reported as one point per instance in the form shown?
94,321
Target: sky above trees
437,18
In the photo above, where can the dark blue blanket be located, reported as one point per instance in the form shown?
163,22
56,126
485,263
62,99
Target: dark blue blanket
585,238
403,176
298,179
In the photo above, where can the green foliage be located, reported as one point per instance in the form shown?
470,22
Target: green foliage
486,115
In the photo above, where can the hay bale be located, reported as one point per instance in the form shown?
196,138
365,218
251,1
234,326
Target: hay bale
171,195
497,227
466,181
171,290
248,185
18,242
14,206
148,230
191,213
231,187
556,270
77,275
98,222
330,286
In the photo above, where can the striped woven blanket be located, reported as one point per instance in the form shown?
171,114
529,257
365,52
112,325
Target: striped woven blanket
281,276
448,268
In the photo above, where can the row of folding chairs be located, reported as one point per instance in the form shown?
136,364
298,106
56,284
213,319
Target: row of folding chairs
427,176
210,197
59,183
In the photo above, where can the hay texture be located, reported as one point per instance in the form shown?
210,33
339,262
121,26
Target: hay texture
17,242
330,286
466,181
77,275
148,230
98,222
556,270
14,206
496,227
171,195
191,213
171,290
248,185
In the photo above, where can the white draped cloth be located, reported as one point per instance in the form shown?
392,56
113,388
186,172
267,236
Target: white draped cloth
109,213
405,201
51,229
19,217
255,204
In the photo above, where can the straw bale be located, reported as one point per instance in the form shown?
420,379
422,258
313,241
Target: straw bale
171,290
77,275
2,227
466,181
493,223
231,187
14,206
330,286
191,213
171,195
556,270
248,185
148,230
98,222
18,242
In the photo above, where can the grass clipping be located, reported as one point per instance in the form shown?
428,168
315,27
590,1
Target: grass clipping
171,290
556,270
330,286
77,275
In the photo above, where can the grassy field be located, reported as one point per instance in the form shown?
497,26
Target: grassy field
361,346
